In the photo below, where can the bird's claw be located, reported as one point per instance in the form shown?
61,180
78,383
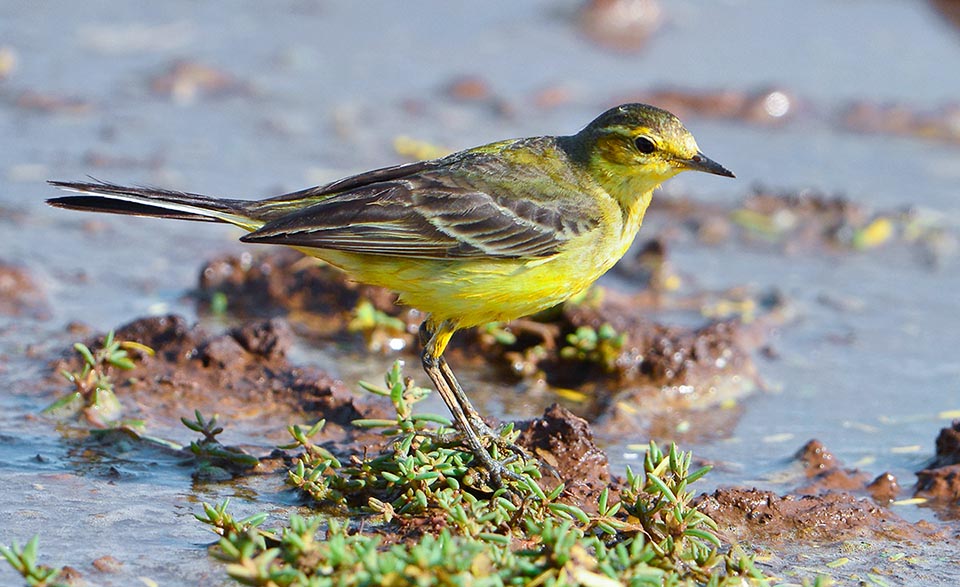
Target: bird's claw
496,469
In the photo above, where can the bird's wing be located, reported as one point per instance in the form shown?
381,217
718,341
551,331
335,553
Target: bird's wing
439,212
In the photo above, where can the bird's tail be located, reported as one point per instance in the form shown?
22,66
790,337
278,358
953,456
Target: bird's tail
140,201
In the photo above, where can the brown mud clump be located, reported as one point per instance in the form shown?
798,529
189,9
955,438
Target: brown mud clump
579,344
884,489
950,10
825,474
638,373
755,515
186,81
948,445
941,480
469,88
816,458
942,124
792,222
564,442
824,471
942,483
315,295
47,103
243,374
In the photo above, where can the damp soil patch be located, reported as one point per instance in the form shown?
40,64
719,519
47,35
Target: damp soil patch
380,479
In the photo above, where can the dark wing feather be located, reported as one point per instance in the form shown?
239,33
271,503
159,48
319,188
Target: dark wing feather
447,211
358,181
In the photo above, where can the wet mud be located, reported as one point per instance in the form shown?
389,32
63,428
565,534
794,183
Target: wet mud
186,81
825,474
837,516
756,515
242,374
624,26
605,354
674,360
634,372
319,299
940,482
565,443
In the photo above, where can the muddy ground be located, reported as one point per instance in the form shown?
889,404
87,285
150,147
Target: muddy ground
606,361
796,328
601,354
245,376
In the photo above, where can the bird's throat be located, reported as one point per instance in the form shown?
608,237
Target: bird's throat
634,209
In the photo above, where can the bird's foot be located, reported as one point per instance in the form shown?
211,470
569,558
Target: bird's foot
499,472
499,439
504,445
484,441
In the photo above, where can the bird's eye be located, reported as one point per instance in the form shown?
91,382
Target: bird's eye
645,145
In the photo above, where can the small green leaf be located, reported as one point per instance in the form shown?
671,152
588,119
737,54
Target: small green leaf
373,423
124,363
663,488
85,353
495,538
704,535
571,510
698,474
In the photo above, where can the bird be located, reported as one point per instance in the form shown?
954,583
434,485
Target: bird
487,234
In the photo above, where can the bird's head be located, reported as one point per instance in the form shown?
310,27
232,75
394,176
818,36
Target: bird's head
636,147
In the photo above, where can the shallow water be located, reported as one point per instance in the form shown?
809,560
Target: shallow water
326,88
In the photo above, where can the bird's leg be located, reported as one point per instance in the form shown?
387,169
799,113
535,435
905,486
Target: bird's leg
465,416
476,420
471,413
473,416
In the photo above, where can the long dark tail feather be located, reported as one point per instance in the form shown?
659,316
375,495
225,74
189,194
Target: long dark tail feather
102,204
152,202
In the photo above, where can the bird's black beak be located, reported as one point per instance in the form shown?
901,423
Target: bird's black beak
701,162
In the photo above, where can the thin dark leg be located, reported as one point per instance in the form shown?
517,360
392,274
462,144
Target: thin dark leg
466,418
471,413
476,420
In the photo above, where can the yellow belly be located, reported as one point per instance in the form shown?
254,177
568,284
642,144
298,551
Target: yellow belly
470,292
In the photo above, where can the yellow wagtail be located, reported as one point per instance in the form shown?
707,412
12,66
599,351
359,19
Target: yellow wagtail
487,234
